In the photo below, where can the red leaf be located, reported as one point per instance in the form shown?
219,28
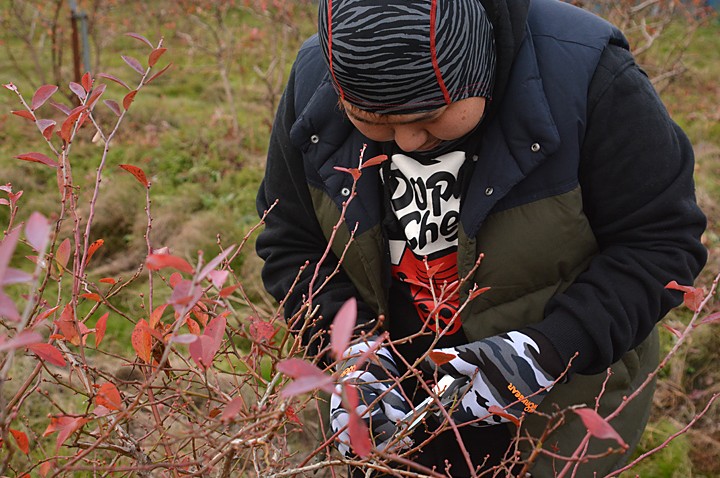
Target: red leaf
672,330
48,353
92,296
22,441
371,350
693,300
354,172
495,410
92,248
134,64
597,426
260,330
78,89
155,262
158,73
199,314
67,325
8,309
137,36
308,377
296,368
95,95
193,327
108,396
66,426
114,107
175,279
87,81
342,327
433,270
23,339
108,280
42,95
185,295
359,435
292,416
156,315
215,262
45,314
60,107
127,101
351,395
476,292
227,291
155,55
115,79
216,329
137,172
153,333
142,341
199,351
24,114
100,327
374,161
46,468
7,248
711,318
692,296
38,158
37,231
63,254
417,283
441,358
185,338
218,278
232,408
308,384
46,127
66,129
14,276
203,350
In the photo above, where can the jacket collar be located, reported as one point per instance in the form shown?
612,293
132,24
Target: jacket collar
520,137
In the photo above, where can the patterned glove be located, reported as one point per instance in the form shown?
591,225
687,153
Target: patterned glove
505,369
371,380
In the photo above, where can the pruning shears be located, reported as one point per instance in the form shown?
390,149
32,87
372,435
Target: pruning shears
448,390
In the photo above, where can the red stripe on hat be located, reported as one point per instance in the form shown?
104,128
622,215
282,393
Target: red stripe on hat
330,53
433,53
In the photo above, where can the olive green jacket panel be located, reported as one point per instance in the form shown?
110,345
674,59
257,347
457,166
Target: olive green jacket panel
362,257
530,253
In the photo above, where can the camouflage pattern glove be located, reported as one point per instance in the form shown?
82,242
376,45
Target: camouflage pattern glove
510,371
372,380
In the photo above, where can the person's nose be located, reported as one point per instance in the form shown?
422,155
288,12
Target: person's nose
410,137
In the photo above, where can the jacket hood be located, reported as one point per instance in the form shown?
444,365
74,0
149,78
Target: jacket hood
509,20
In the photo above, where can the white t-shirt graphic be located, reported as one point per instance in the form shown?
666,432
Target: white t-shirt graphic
425,199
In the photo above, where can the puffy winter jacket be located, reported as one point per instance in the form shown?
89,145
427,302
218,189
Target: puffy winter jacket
581,200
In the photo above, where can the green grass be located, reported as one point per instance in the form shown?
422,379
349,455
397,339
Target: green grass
672,461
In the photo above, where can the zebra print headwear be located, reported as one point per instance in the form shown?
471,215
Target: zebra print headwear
407,56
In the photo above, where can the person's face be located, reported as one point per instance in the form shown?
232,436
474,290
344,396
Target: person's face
420,131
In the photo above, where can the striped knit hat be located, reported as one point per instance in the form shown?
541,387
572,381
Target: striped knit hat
407,56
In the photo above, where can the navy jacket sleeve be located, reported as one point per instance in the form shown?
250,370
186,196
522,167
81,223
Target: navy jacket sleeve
636,176
292,235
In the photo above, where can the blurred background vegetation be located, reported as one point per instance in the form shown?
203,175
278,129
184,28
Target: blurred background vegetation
200,133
